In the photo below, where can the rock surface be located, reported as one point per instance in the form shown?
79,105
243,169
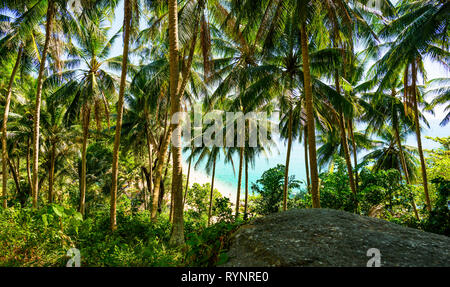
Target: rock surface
325,237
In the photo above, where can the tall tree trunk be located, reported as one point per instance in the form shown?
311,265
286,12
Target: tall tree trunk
123,78
177,234
37,112
419,139
238,194
158,179
28,162
348,161
344,140
212,192
305,143
310,119
86,115
4,129
288,158
144,179
14,174
150,164
246,189
405,168
187,181
168,134
355,153
18,167
51,174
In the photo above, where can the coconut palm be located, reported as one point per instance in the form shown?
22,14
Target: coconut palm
19,42
420,31
55,134
91,88
440,88
128,16
331,144
387,155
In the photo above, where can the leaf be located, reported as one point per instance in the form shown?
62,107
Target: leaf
44,219
78,216
223,258
58,210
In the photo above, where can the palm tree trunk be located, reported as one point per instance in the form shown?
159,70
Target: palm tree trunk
405,168
28,162
305,143
4,129
177,234
355,153
150,164
187,181
212,192
246,190
238,194
344,140
419,140
310,119
37,112
144,179
14,174
18,167
86,114
346,153
51,174
168,133
166,139
158,176
123,78
288,157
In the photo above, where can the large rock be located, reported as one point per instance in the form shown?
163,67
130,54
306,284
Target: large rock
325,237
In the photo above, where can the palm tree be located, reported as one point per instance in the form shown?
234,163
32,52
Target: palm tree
56,134
5,120
115,164
420,31
177,234
19,37
442,96
88,89
331,144
335,10
51,6
190,31
387,155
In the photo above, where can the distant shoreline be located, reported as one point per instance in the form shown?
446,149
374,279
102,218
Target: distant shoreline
201,177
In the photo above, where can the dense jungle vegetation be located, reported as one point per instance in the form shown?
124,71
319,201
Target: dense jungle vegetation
88,159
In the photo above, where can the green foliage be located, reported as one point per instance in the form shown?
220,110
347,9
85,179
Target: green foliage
197,200
438,220
385,188
209,247
30,237
335,190
222,210
270,189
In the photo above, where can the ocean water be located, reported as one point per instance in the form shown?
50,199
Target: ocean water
226,179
